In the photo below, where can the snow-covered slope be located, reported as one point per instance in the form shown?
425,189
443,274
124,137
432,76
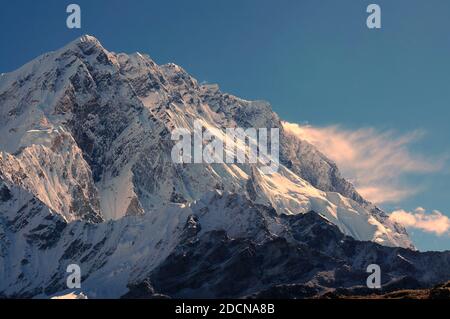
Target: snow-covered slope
117,256
72,295
87,134
117,111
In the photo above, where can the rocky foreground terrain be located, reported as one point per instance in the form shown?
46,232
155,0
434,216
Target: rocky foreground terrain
438,292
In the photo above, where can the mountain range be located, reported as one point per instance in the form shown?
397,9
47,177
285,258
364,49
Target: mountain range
87,178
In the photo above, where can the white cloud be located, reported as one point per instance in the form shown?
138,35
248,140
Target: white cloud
374,161
434,222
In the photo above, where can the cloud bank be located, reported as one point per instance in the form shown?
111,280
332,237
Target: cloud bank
434,222
373,161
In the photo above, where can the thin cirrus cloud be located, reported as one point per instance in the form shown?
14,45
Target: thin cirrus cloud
434,222
374,161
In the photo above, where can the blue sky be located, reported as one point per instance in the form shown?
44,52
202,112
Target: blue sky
315,61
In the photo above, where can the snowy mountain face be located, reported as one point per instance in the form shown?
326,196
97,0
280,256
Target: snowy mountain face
87,177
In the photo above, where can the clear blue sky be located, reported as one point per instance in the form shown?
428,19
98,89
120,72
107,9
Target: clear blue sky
315,61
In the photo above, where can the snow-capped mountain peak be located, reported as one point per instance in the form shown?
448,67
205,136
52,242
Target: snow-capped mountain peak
86,133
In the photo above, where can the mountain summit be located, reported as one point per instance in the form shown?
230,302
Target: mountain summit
87,178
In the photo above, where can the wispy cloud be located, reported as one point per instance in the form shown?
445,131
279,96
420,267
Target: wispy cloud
434,222
374,161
